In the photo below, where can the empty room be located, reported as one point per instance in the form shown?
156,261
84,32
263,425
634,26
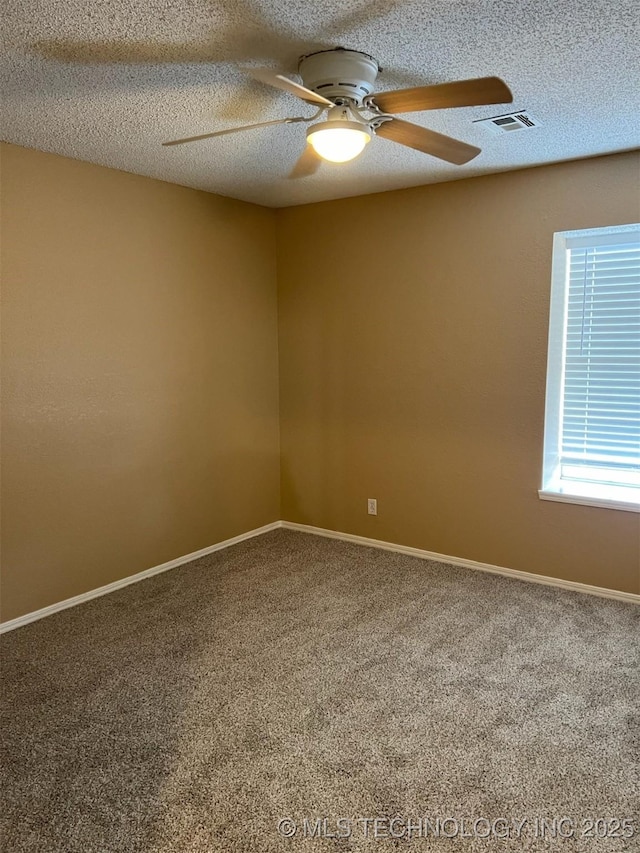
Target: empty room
320,426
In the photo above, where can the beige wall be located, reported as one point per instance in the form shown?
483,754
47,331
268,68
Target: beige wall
140,374
413,358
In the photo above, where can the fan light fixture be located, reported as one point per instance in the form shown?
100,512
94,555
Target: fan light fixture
339,139
342,82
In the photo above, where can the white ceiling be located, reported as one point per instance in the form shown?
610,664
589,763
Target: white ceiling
107,81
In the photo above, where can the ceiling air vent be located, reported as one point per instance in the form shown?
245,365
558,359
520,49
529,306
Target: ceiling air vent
521,120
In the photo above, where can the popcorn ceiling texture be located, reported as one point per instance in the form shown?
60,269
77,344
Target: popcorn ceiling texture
297,676
109,82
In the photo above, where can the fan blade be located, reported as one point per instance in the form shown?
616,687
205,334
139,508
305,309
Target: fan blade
234,130
427,141
272,78
463,93
308,163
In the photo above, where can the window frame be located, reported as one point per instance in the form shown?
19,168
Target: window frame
553,487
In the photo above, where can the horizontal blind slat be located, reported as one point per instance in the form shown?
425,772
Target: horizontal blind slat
601,377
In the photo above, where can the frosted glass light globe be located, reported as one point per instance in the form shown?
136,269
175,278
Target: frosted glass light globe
338,141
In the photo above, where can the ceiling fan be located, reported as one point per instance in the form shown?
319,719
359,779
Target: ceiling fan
340,83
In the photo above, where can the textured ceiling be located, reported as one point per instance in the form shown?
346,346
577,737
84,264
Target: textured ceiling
108,81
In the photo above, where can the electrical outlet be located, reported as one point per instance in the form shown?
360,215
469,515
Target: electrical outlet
372,506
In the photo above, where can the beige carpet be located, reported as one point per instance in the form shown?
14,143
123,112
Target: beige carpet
303,678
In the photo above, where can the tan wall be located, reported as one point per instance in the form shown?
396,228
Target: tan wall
140,374
413,359
140,395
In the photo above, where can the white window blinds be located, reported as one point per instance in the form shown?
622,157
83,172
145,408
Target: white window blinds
592,428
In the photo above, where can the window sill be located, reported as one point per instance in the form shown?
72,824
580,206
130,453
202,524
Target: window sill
618,497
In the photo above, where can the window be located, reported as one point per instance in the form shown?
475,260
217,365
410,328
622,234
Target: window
592,417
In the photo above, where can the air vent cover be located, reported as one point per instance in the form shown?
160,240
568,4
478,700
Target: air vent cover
521,120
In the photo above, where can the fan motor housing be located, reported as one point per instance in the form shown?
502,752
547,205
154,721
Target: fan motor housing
339,73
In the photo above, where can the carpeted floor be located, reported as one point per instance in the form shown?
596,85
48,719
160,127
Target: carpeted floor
304,678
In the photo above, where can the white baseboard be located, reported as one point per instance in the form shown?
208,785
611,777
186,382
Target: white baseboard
19,621
603,592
